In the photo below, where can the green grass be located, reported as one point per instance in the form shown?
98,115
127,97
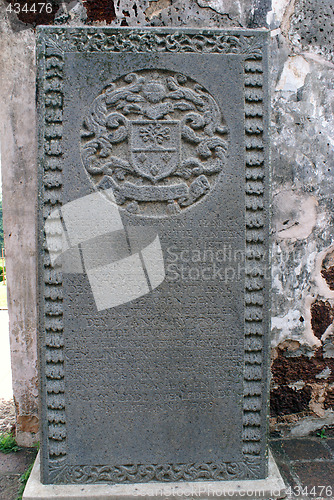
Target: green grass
322,433
8,443
23,479
3,296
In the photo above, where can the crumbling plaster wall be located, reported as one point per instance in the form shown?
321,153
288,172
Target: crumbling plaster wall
302,396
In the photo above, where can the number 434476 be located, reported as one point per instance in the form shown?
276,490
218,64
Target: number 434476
37,8
310,492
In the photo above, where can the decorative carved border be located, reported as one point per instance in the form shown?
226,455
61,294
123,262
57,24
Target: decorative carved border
156,40
256,258
53,43
50,65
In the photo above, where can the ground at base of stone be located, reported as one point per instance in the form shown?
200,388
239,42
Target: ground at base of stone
12,466
272,487
306,465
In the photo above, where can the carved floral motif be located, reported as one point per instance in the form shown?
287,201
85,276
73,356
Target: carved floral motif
157,138
86,474
164,40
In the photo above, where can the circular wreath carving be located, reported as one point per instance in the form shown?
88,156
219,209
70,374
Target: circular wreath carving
157,139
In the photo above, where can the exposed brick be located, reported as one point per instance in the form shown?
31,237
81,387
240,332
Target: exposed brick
328,275
322,316
285,401
100,10
287,370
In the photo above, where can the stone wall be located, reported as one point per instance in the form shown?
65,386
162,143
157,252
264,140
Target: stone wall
19,186
302,397
303,185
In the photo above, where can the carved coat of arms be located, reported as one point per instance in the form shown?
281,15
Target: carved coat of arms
157,138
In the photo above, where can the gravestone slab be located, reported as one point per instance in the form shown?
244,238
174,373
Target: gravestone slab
154,267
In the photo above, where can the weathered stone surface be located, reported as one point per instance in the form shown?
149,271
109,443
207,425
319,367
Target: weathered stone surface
19,187
312,26
302,180
154,148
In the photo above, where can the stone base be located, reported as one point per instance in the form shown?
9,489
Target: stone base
261,489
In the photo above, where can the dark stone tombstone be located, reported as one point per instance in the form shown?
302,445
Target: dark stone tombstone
154,282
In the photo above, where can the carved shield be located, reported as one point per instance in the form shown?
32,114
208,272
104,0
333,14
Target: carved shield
155,148
157,138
